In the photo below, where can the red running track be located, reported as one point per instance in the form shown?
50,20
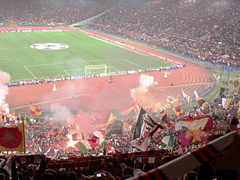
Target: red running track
98,94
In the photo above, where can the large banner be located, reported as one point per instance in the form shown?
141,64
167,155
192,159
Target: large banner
12,138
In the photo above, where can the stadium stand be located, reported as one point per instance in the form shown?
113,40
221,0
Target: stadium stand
204,30
50,12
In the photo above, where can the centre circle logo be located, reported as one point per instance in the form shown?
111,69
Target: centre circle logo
49,46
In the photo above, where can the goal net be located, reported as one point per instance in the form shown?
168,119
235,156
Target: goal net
94,69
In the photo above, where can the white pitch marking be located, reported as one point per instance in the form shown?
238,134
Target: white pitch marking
67,72
30,72
55,100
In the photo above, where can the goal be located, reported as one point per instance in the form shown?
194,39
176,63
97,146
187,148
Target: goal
93,69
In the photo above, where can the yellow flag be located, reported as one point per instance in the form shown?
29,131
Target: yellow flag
227,103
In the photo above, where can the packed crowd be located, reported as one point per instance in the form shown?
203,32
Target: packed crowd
50,12
43,135
205,30
51,138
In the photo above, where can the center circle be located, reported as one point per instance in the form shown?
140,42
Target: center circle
49,46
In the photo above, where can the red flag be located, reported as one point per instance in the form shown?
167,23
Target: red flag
109,148
202,103
93,141
38,111
192,136
105,115
12,138
126,110
74,136
32,109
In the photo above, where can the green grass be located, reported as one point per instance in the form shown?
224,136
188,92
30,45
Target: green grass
25,63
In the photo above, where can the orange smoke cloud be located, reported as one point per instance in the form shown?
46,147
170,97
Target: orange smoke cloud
82,121
142,91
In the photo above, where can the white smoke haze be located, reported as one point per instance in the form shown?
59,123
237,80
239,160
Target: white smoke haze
61,112
80,90
66,91
146,81
3,94
141,93
4,78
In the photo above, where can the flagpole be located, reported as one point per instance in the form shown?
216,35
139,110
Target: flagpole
24,138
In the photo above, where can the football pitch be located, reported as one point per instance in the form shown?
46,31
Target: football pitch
27,56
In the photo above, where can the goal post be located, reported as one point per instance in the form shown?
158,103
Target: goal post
99,68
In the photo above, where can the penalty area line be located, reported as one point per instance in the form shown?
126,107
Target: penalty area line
67,72
133,63
30,72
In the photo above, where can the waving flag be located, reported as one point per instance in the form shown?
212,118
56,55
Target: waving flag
139,124
126,110
167,141
81,147
192,136
93,141
203,123
144,130
34,110
202,103
100,133
236,83
12,138
174,103
105,125
187,98
226,103
105,115
141,144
